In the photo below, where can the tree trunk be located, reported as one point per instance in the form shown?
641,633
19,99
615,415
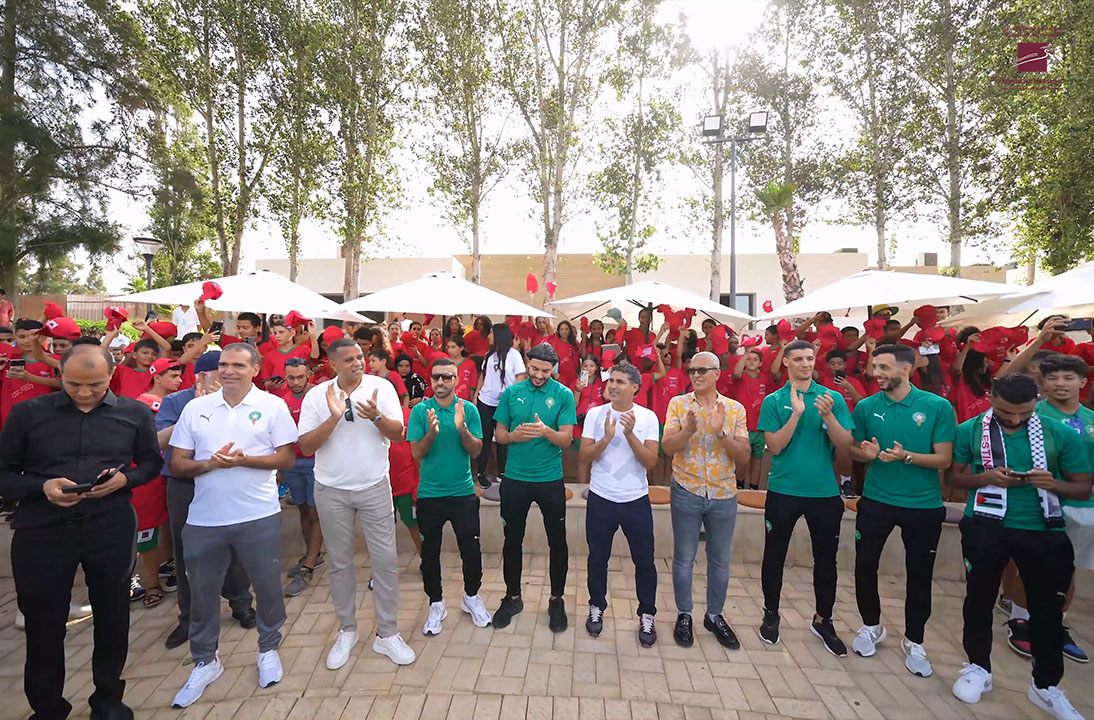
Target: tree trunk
294,250
879,227
792,282
243,201
9,265
476,258
718,222
209,115
953,150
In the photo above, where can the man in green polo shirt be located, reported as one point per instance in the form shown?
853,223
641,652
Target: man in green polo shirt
804,424
1019,468
906,436
445,434
535,418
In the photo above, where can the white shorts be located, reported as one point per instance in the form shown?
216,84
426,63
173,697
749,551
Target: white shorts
1080,530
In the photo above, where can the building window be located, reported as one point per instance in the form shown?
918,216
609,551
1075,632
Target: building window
746,302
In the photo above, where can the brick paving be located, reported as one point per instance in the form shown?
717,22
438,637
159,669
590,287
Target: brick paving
525,671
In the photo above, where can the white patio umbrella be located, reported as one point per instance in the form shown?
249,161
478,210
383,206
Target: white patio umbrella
629,298
442,294
261,291
855,294
1070,293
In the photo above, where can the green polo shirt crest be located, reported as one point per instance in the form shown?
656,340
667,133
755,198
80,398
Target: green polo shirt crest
446,470
536,460
804,467
918,422
1081,423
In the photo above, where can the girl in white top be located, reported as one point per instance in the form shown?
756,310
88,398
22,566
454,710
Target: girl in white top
503,366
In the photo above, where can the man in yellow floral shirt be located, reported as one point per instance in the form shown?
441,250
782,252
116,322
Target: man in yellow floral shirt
707,435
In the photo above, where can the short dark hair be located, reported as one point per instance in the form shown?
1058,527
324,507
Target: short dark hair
797,345
403,356
363,333
27,324
380,353
966,332
835,354
1039,356
687,355
78,349
632,373
278,323
774,329
850,327
543,352
444,361
5,329
1064,363
146,343
903,354
892,322
1015,388
250,317
1044,321
342,342
248,348
177,346
84,340
191,336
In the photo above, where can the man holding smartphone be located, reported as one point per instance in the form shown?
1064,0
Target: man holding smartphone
84,435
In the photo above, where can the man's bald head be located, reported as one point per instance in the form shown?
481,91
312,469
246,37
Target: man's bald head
89,357
85,375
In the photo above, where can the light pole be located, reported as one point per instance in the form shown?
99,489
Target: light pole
713,129
148,247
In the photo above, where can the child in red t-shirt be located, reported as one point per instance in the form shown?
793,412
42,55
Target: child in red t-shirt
377,364
404,483
23,376
150,502
272,374
750,385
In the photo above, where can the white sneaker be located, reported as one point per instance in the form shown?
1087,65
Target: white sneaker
339,652
868,638
915,658
1053,700
200,677
437,613
473,606
974,682
395,648
269,668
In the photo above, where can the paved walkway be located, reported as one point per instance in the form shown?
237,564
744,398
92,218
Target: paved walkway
525,671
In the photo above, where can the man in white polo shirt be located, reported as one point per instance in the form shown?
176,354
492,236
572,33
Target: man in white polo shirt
348,423
233,442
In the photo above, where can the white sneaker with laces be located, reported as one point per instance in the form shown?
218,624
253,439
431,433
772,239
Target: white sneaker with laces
200,677
395,648
915,658
473,606
868,638
269,668
974,682
1053,700
437,613
339,652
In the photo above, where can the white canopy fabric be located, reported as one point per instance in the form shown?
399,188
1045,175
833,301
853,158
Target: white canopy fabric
442,294
642,294
1070,293
261,291
855,294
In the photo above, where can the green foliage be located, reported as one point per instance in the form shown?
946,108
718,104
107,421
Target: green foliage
98,328
56,276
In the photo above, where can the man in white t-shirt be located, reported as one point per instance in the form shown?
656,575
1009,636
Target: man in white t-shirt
620,440
349,423
185,318
233,442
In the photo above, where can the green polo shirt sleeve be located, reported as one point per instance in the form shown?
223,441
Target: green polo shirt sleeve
962,441
945,424
501,414
418,426
567,410
769,412
472,419
840,410
859,416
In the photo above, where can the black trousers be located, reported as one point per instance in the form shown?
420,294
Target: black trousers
463,513
635,519
44,561
822,515
486,414
1046,562
517,497
920,530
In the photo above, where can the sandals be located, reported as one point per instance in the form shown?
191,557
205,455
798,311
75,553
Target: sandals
152,597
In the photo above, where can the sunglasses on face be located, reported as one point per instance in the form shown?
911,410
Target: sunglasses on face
443,376
700,370
349,410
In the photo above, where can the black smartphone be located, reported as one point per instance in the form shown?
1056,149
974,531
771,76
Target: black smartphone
1020,475
1078,324
839,375
216,327
84,487
277,379
17,363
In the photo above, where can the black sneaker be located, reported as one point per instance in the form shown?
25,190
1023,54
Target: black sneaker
647,634
245,618
556,615
167,569
740,484
1073,651
178,636
769,628
594,624
722,631
683,633
482,480
847,489
170,583
505,612
136,592
1018,637
827,633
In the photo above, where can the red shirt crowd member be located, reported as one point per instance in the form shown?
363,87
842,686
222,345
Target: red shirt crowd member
564,341
467,372
477,340
588,391
403,471
194,346
669,380
592,339
377,362
836,378
272,373
635,340
135,381
297,384
1085,351
24,377
166,378
970,392
394,333
773,345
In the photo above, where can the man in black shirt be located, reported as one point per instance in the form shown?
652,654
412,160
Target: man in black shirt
76,436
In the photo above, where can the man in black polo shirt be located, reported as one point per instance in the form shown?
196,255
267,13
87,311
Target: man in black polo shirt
83,434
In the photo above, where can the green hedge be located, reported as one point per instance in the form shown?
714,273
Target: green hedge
98,327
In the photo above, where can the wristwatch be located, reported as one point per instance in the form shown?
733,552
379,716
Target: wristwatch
908,459
722,435
376,420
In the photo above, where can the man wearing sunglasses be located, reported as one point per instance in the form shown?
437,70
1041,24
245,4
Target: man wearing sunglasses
348,423
707,435
445,434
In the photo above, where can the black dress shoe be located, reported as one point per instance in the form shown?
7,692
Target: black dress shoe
178,636
246,618
722,631
683,633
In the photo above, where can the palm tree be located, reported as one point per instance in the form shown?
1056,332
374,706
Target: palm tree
775,200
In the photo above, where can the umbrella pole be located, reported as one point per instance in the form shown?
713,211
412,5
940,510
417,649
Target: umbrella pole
586,312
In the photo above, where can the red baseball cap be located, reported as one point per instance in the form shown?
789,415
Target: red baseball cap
164,329
333,333
927,316
163,365
131,347
150,400
61,327
52,310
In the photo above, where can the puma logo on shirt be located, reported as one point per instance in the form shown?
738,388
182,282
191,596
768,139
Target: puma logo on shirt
881,416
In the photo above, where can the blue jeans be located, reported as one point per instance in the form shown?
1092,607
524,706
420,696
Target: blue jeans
300,481
690,513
